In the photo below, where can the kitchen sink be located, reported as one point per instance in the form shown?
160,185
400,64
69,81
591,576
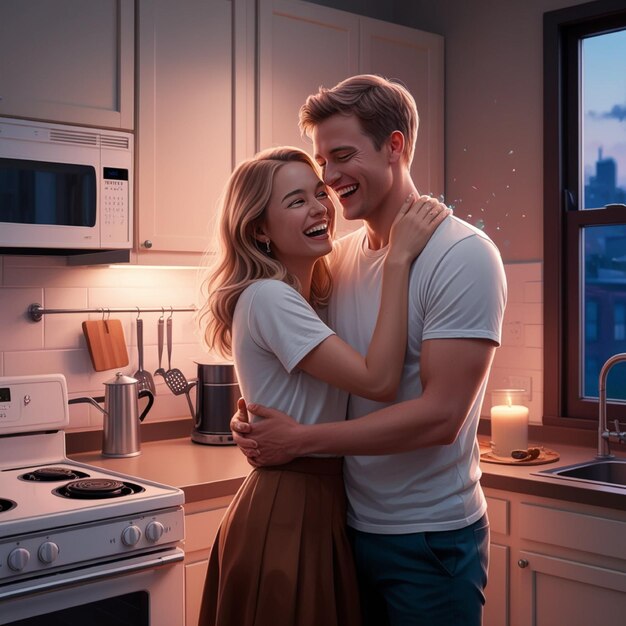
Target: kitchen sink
601,472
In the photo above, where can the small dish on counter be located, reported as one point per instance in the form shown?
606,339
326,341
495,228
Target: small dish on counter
532,458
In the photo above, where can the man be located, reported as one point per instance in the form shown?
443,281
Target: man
417,514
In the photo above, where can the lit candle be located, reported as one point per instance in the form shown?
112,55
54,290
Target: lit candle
509,423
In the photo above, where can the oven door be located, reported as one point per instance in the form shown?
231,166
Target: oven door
142,591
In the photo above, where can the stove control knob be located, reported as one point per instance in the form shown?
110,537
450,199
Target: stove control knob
48,552
154,531
131,535
18,559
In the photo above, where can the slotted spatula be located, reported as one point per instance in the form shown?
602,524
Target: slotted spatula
175,379
144,378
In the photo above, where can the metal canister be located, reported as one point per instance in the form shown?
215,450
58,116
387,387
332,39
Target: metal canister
217,393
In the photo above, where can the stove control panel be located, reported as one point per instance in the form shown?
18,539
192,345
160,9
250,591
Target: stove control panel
33,403
89,542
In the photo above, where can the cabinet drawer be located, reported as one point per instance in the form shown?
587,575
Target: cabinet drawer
578,531
200,529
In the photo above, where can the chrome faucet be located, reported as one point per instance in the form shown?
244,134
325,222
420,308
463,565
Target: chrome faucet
604,434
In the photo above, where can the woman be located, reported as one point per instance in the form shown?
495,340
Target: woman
281,556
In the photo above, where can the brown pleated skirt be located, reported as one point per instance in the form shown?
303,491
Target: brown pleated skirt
281,556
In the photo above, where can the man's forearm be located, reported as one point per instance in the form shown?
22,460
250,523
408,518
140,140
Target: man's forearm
398,428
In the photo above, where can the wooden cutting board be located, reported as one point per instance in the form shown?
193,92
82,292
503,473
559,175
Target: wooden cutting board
106,343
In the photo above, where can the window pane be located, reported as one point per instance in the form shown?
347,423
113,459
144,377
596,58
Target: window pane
604,293
619,321
591,320
604,119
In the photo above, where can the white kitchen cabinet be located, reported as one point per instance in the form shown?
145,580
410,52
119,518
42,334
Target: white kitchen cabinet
186,116
304,45
301,46
68,61
566,565
223,79
496,607
416,59
556,591
202,519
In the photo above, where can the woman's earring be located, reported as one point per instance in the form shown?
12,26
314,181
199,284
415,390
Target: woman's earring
267,246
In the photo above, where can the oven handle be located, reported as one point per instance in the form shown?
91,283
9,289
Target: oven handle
91,574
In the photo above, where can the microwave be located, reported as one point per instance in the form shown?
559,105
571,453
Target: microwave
64,187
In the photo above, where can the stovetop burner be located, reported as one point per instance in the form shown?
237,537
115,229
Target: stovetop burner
6,505
94,488
51,474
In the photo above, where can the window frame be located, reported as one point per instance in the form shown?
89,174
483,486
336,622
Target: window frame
562,31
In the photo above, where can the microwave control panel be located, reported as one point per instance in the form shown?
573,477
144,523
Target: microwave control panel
115,205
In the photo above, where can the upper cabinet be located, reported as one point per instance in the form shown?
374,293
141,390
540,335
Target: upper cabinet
302,46
68,61
212,82
191,125
415,58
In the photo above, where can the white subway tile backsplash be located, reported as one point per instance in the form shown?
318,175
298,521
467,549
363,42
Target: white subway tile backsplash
64,330
533,335
532,313
517,275
17,331
521,353
533,291
73,364
56,344
512,357
514,312
80,416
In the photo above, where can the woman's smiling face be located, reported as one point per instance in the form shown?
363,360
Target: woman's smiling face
298,217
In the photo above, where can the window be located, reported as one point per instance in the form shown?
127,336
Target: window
619,321
584,209
591,321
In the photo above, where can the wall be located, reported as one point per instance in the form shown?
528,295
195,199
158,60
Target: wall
494,150
494,175
494,154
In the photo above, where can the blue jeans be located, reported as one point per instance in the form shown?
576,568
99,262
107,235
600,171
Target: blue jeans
423,579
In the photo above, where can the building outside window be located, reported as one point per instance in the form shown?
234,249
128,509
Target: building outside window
584,209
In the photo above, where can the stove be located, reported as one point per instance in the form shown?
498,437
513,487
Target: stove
65,524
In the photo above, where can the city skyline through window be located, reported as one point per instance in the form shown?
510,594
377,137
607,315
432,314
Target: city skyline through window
604,119
603,156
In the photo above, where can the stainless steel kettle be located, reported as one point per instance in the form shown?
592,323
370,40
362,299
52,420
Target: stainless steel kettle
216,402
120,435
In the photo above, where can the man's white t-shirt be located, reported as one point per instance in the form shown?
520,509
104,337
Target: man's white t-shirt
457,290
274,328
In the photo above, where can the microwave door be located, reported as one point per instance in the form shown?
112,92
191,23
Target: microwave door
48,204
65,187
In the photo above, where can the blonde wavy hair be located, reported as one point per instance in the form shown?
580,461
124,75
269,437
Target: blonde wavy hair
239,260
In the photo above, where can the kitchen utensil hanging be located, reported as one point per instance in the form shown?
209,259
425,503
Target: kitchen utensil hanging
106,343
144,378
160,330
174,378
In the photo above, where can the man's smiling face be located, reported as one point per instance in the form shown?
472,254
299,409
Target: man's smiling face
359,174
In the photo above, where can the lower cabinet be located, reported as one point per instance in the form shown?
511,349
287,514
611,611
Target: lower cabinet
202,519
554,563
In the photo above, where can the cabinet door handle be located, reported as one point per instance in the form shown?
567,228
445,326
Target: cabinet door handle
522,563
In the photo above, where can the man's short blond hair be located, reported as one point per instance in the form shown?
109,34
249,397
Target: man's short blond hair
382,106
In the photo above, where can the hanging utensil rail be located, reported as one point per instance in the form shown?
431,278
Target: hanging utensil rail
36,311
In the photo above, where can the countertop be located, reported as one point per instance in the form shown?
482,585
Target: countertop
205,472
